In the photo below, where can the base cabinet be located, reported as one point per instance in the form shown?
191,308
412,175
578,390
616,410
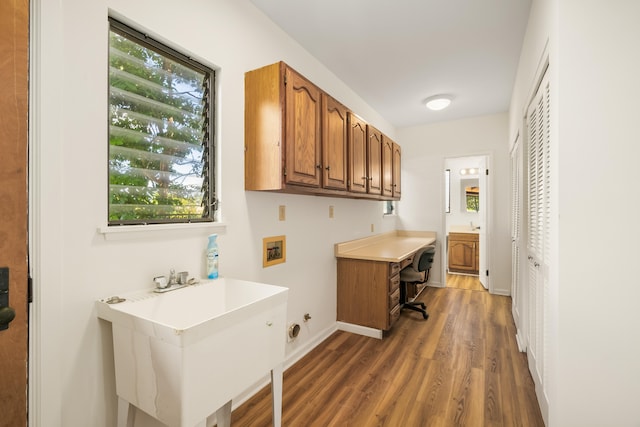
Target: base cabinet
368,293
463,253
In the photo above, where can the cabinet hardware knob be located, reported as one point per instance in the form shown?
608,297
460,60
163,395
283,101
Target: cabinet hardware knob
318,166
328,168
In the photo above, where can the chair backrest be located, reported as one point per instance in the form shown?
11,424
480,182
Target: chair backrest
423,259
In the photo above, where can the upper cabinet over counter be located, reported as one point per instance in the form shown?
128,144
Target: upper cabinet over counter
298,139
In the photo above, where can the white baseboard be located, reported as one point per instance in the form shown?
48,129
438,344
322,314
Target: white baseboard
522,346
360,330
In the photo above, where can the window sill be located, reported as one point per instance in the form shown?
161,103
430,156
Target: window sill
124,232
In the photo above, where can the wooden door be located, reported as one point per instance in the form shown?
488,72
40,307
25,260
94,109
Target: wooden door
334,148
14,44
357,154
302,131
374,154
397,163
387,167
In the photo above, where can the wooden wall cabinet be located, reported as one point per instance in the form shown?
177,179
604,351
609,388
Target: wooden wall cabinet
334,149
396,181
463,253
368,292
374,160
282,129
358,177
299,139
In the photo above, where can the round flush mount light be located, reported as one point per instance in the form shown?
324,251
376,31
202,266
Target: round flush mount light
438,102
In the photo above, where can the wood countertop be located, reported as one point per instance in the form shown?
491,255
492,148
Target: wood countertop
393,246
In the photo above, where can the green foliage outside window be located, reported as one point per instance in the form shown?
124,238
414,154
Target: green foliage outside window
159,134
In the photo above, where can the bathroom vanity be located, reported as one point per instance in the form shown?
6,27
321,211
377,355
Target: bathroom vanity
181,356
464,251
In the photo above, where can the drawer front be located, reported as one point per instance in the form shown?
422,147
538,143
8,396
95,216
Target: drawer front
394,283
394,268
394,315
405,262
394,299
464,237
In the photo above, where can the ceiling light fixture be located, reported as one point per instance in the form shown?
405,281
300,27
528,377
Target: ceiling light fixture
438,102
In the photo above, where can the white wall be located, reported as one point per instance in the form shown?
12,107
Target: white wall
594,376
74,265
598,152
424,149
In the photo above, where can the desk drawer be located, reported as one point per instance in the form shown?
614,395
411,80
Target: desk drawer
394,299
394,283
405,262
394,315
394,268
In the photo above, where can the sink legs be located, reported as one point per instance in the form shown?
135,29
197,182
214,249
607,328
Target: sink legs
276,394
223,415
125,413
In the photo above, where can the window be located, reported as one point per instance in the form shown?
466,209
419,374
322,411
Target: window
389,207
161,151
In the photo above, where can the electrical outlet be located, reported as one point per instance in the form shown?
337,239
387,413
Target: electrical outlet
281,213
330,211
372,228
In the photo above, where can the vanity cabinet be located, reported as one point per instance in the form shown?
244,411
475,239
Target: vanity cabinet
368,292
463,253
298,139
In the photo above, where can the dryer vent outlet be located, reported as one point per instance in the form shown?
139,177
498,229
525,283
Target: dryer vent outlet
293,332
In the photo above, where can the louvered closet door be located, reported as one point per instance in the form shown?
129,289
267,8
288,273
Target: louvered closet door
516,224
538,221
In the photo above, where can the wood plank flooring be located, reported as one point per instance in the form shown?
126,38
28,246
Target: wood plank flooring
461,367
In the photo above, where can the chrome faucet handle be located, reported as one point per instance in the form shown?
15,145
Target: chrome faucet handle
172,277
161,282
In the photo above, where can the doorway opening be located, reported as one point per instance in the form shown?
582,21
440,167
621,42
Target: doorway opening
466,219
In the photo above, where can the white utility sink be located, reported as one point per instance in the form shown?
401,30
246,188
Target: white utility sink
181,356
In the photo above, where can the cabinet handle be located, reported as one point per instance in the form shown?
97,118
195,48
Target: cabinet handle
328,168
318,166
364,177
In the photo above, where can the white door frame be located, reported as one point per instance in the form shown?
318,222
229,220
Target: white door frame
488,161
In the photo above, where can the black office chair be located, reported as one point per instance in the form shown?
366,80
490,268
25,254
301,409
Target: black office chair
413,273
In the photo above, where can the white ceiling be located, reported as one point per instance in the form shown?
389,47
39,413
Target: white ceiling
396,53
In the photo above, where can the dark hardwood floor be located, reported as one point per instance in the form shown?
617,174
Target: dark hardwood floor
461,367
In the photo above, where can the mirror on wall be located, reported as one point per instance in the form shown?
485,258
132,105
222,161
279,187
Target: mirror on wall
470,191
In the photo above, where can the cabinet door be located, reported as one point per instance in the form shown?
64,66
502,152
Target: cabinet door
462,256
334,148
397,161
374,151
387,167
357,154
302,131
